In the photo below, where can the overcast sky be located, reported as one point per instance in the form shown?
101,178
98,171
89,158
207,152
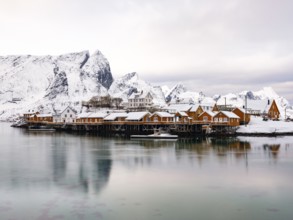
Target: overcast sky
210,45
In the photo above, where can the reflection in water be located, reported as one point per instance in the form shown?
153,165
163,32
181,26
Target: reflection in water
68,176
272,149
91,169
102,168
220,147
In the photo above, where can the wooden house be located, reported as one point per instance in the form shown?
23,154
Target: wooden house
116,117
138,117
161,117
41,118
195,112
266,108
182,117
215,108
29,113
91,118
83,118
274,112
244,117
226,118
206,117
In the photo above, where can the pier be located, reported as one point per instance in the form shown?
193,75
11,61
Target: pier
127,128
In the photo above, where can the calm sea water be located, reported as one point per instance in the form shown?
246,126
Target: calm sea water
55,175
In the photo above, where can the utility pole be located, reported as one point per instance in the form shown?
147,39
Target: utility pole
245,107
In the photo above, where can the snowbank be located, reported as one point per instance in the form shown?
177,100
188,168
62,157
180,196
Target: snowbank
258,126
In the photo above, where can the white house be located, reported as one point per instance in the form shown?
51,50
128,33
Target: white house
68,115
140,100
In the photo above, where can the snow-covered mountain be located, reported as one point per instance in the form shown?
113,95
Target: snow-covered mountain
124,86
46,81
50,83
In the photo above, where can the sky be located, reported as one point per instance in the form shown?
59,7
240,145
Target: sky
209,45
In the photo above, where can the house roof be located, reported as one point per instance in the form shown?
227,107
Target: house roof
194,107
260,105
113,116
69,108
135,116
240,109
97,115
84,115
228,114
139,95
164,114
209,112
179,107
43,115
183,114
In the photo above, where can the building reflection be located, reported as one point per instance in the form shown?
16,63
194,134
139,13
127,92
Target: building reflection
220,147
272,149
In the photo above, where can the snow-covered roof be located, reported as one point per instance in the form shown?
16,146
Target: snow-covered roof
84,115
135,116
241,109
229,114
113,116
68,107
209,112
163,114
194,107
139,95
44,115
259,105
183,114
179,107
97,115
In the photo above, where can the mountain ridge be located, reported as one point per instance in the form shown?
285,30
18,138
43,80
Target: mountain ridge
49,83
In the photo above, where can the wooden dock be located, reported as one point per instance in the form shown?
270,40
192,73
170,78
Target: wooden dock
144,128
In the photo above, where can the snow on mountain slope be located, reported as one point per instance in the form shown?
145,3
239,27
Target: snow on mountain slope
166,90
49,81
124,86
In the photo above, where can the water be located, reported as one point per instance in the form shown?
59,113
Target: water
55,175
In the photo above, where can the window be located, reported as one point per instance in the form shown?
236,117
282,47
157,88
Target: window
68,111
225,119
155,118
205,118
70,116
65,115
216,119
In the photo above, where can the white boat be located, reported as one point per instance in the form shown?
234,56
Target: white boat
158,134
40,128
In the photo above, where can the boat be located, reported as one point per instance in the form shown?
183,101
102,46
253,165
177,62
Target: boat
158,134
41,128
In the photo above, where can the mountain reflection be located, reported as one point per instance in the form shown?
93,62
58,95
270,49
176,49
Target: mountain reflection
90,170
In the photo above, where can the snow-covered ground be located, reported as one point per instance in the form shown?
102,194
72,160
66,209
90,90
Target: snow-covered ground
258,126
